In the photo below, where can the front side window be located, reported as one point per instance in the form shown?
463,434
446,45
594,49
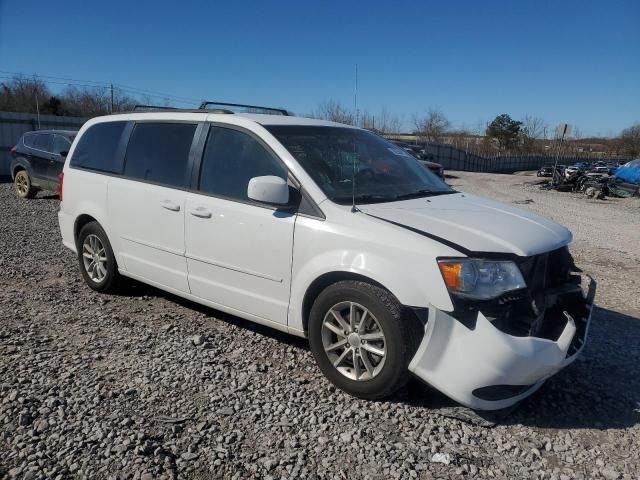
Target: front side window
231,159
60,144
43,142
159,153
97,148
344,161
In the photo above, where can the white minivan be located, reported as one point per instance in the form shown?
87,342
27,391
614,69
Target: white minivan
328,232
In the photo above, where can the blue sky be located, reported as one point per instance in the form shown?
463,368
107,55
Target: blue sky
573,61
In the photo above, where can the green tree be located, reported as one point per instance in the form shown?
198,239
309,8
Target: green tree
505,131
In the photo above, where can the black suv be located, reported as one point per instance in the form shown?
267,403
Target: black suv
37,160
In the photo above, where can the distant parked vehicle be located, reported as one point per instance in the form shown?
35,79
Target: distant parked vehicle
425,159
546,170
37,160
576,167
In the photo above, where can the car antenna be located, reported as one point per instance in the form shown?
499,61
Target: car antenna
354,209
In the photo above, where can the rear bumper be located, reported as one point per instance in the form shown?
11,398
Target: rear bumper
66,224
487,369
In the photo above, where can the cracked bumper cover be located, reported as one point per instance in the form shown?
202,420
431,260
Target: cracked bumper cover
458,361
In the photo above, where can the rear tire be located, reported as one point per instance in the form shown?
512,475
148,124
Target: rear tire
360,339
97,261
24,187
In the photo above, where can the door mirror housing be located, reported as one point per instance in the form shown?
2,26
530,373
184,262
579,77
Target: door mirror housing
269,189
64,154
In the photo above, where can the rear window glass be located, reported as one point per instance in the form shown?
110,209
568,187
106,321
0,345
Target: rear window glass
98,147
159,153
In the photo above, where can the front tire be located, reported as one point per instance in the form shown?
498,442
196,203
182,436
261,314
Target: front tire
360,339
97,261
24,187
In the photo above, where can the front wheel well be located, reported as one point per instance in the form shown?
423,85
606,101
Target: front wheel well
322,282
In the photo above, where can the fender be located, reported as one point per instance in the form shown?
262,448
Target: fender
402,282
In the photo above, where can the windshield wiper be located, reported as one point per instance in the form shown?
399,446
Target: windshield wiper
366,198
425,192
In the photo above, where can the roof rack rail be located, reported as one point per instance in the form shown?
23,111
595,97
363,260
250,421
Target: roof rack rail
146,108
152,107
250,108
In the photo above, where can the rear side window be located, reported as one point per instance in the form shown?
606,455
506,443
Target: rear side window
60,144
98,148
231,159
29,140
43,142
159,153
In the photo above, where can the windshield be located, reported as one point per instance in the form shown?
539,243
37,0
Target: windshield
334,157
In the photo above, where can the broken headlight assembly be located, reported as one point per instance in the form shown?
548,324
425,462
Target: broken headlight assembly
480,279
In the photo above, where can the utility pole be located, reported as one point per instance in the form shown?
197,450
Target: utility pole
355,98
111,98
37,109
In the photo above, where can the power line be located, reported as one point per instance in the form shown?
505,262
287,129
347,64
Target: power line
103,85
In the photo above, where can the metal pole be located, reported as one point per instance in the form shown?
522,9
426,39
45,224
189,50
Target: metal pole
38,110
111,110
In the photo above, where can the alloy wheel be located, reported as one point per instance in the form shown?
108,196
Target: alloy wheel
94,257
354,341
22,183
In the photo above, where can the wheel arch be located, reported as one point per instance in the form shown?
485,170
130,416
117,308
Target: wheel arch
17,165
80,222
324,281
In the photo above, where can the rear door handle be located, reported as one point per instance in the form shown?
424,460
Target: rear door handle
169,205
200,212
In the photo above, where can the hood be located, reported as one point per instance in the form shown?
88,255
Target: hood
474,224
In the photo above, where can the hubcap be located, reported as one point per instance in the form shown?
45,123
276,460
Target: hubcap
21,184
354,341
94,258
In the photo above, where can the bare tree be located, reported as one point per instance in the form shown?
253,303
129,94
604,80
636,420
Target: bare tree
532,131
629,141
334,111
23,94
382,122
432,126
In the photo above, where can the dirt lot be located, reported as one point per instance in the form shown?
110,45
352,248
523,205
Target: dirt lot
144,385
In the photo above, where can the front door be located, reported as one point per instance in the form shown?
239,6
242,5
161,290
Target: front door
148,205
239,252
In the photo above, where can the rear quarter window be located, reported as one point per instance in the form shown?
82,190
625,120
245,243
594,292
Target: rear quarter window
29,140
97,148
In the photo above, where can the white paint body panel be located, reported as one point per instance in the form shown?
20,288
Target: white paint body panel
476,223
149,221
240,256
258,263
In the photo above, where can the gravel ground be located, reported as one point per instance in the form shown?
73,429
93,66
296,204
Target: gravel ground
144,385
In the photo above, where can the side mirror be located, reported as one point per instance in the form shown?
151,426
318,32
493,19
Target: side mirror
64,154
269,189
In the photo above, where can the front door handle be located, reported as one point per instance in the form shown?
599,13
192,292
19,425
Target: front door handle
200,212
169,205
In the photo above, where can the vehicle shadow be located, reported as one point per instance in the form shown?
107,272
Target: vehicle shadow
5,179
46,196
600,390
132,288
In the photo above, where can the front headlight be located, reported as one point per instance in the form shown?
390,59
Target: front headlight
480,279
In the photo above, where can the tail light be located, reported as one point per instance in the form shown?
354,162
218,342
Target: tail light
60,182
13,149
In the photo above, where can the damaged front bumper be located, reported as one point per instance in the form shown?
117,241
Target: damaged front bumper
487,369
